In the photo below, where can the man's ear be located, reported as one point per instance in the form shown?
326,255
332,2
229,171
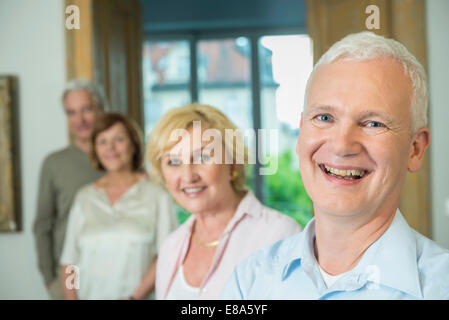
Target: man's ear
421,141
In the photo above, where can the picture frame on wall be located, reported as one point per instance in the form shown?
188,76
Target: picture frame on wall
10,190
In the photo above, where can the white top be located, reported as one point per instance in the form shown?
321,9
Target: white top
114,246
180,289
329,280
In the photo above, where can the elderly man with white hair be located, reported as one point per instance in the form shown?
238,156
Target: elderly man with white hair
363,128
63,173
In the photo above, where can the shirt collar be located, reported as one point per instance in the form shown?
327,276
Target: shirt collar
300,250
391,260
249,205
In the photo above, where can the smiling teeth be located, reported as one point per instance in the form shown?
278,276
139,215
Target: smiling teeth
193,190
345,173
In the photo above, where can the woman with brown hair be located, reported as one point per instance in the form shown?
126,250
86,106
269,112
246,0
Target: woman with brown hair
117,223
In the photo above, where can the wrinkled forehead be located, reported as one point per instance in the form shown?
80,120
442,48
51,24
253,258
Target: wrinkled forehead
78,98
78,93
375,83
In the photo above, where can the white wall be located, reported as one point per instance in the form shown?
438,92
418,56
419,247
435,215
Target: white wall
32,48
438,63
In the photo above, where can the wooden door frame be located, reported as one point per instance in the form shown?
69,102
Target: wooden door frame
87,50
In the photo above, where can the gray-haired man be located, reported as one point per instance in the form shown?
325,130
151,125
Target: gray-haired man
63,173
364,126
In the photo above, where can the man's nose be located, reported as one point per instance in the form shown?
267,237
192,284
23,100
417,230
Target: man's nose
77,118
83,118
345,140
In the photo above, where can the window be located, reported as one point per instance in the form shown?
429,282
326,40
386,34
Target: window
166,78
224,78
258,81
285,64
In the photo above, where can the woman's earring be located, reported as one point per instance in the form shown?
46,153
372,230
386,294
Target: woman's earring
234,174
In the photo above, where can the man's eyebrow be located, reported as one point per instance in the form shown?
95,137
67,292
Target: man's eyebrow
319,108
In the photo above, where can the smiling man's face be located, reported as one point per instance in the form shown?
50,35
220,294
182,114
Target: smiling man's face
355,144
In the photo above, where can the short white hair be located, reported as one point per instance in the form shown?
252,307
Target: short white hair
366,46
94,90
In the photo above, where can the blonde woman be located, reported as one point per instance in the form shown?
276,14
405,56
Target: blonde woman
117,223
228,223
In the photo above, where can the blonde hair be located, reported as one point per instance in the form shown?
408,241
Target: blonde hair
183,118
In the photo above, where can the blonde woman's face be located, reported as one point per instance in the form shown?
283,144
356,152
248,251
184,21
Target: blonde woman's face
196,176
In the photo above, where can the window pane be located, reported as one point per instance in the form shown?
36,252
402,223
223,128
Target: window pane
224,81
285,64
224,78
166,78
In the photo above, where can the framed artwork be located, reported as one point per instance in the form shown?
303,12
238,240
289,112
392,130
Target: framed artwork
10,205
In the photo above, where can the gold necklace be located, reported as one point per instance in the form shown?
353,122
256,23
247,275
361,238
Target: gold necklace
206,244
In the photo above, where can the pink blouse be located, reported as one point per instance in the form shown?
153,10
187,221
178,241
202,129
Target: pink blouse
252,227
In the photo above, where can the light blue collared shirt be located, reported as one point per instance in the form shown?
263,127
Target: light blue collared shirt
401,264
